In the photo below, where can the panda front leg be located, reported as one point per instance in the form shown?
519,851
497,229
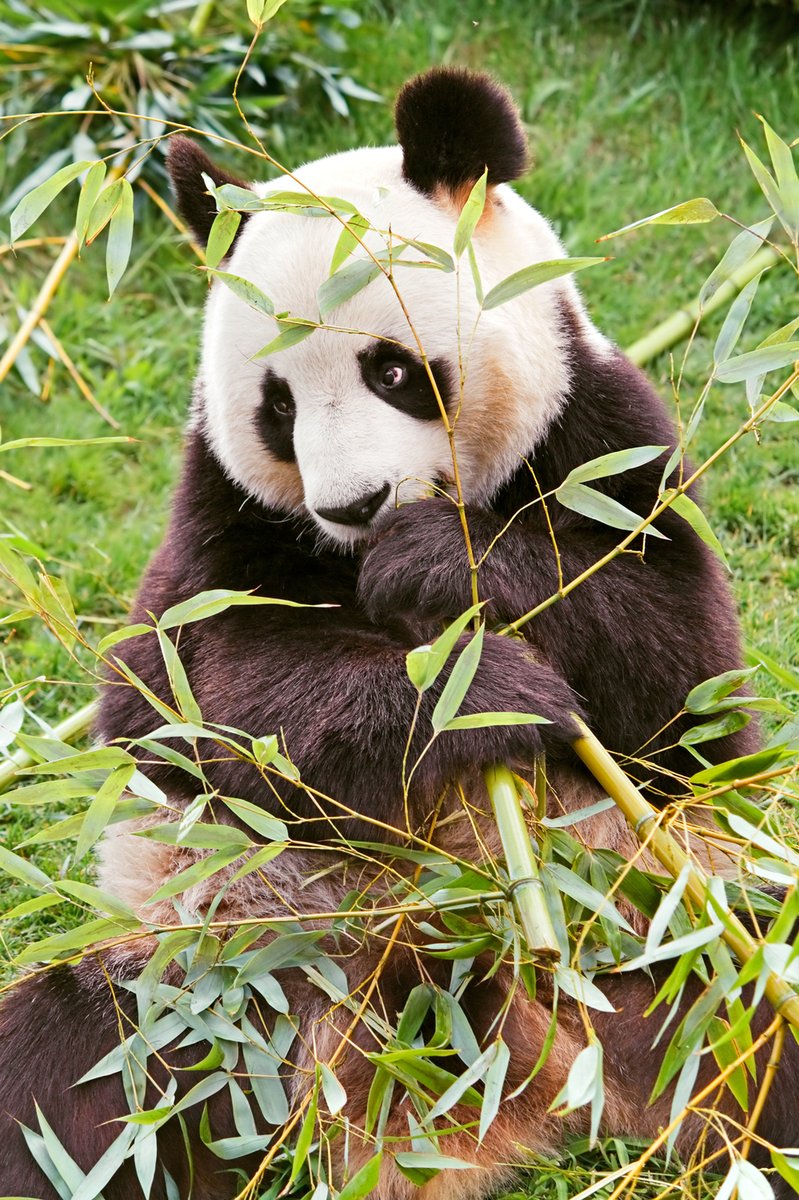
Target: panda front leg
340,697
632,639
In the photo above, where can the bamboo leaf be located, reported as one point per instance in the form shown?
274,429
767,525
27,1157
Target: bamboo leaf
486,720
32,205
691,212
690,512
220,239
614,463
470,214
706,696
196,873
494,1083
534,275
770,190
290,334
244,290
103,210
101,808
346,283
256,818
335,1096
351,236
742,247
424,664
95,177
120,237
459,682
364,1181
19,868
599,507
208,604
757,362
735,320
721,726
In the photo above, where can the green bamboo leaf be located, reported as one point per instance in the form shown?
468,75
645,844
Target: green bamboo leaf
291,332
256,818
95,177
244,289
459,682
783,334
706,696
261,11
196,873
599,507
364,1181
532,276
690,512
614,463
476,278
120,237
782,673
787,179
102,807
346,283
106,1167
574,885
34,905
494,1083
179,680
757,362
425,663
429,1163
220,239
709,731
19,868
788,1168
351,236
438,256
486,720
28,443
286,950
334,1094
742,247
208,604
121,635
691,212
735,320
305,1136
103,210
460,1086
63,1162
81,938
32,205
470,214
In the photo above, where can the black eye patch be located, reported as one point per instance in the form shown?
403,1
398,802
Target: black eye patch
274,419
400,379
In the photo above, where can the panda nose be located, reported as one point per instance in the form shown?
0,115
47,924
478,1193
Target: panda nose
360,512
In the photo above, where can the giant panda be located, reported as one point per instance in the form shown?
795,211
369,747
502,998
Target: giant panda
323,475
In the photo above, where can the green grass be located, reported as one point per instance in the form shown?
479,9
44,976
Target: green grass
630,108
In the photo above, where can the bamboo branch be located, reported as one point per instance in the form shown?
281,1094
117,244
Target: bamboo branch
526,887
644,820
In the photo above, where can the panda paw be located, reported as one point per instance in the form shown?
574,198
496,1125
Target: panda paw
509,678
418,570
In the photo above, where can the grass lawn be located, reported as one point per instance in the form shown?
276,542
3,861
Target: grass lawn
630,108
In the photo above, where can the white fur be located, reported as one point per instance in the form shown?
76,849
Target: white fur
347,441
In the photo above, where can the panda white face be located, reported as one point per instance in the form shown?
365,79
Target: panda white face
346,424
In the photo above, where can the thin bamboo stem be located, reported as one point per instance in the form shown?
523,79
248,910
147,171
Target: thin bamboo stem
526,887
679,324
71,727
645,822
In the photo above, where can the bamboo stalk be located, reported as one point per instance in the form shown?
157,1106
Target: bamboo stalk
643,819
71,727
679,324
527,890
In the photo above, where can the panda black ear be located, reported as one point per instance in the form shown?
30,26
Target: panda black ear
452,124
186,164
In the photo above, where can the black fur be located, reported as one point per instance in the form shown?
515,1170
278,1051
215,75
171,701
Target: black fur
415,395
452,124
186,164
275,417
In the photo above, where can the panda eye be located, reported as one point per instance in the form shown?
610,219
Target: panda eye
284,407
393,375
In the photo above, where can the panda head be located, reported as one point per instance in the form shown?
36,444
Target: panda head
346,424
